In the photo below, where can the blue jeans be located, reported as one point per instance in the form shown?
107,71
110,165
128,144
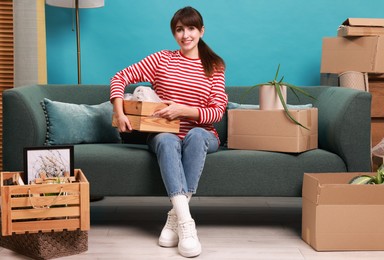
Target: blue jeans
181,162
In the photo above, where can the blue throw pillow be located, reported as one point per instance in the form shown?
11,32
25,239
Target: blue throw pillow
76,124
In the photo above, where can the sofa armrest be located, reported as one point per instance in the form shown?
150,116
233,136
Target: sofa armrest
345,125
24,123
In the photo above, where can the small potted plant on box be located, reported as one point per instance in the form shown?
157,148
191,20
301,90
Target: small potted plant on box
273,95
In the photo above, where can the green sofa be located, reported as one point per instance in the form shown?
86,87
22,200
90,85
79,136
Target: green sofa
129,169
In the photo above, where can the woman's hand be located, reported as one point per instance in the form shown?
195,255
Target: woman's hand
175,111
123,124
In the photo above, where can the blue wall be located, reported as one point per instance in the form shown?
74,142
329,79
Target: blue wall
253,36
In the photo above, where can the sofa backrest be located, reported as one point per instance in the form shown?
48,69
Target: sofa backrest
95,94
344,117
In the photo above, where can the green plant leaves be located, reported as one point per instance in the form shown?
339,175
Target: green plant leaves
367,179
362,179
277,85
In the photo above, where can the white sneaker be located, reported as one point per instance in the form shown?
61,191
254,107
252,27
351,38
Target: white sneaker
189,244
169,236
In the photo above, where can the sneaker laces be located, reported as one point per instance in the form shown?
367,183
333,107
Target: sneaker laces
171,222
187,229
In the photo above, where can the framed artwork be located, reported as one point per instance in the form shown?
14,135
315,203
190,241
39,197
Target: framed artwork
48,161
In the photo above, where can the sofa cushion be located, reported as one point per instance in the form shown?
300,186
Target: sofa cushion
69,123
132,170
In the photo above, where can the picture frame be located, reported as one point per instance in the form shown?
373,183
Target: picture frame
53,161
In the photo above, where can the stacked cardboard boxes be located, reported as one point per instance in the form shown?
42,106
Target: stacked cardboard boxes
334,211
359,47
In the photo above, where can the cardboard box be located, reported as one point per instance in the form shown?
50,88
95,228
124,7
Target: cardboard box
363,54
272,130
338,216
140,116
151,124
44,207
361,27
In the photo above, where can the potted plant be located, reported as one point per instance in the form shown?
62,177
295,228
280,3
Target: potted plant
370,179
276,90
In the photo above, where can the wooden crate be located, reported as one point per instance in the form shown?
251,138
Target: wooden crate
376,88
141,108
377,130
44,207
151,124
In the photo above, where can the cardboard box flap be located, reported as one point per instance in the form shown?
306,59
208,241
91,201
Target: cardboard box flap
334,189
364,22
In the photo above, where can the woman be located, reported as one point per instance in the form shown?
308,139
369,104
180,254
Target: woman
191,81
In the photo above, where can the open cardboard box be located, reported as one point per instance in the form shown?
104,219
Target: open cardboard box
361,27
363,54
271,130
339,216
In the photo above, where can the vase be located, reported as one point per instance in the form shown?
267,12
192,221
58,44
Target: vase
269,98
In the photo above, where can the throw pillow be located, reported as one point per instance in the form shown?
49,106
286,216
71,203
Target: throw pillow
75,124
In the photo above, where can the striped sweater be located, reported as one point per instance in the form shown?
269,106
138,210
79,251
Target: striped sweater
179,79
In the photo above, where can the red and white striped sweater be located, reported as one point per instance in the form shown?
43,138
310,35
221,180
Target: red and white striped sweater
177,78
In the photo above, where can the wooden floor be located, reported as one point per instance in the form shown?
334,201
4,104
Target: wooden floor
228,228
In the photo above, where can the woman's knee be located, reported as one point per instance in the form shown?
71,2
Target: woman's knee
165,141
201,137
197,133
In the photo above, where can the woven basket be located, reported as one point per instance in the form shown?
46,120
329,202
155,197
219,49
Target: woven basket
47,245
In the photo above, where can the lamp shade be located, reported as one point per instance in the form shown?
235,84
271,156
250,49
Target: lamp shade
72,3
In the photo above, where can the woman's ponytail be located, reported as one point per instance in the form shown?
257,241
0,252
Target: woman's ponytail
210,60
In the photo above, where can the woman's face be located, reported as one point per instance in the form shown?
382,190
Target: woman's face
187,37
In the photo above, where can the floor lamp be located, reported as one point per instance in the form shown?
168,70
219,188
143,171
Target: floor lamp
77,4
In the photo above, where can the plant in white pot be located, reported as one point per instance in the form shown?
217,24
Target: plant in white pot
273,95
